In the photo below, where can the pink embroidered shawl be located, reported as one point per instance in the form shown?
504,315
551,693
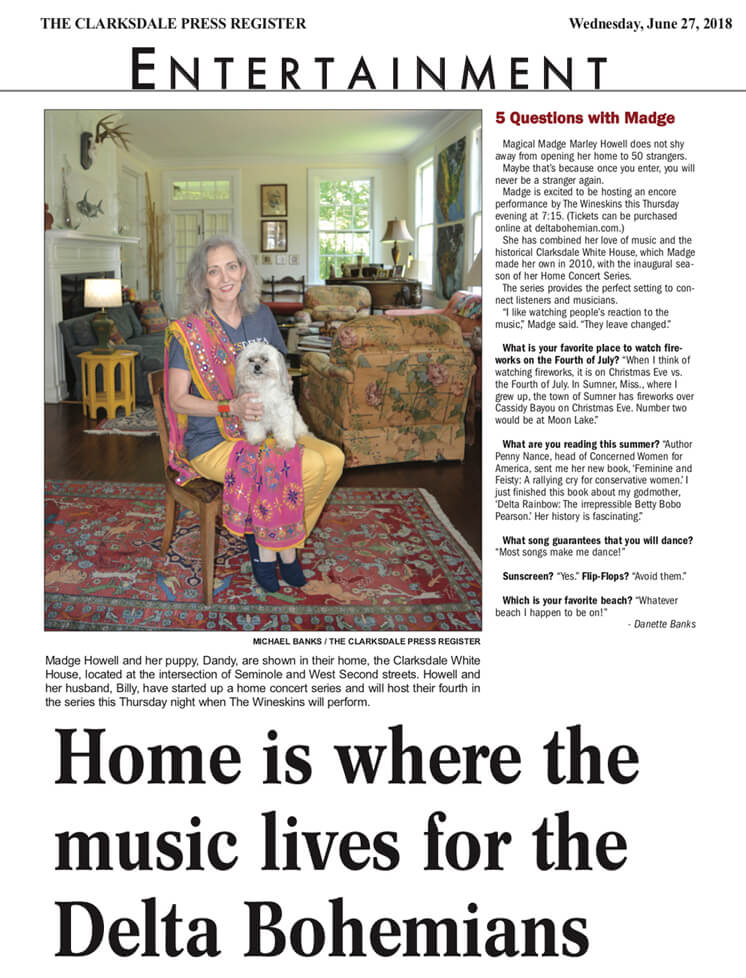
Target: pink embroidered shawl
263,488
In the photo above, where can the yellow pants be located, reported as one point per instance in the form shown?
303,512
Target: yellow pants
322,467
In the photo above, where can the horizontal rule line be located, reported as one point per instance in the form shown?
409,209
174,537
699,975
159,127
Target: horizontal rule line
371,91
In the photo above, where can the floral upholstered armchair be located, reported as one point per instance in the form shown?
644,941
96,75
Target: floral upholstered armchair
334,303
463,307
391,390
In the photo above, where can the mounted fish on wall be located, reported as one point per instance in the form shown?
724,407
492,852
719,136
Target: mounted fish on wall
93,203
91,186
88,209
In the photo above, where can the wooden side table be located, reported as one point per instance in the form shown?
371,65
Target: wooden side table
403,292
110,397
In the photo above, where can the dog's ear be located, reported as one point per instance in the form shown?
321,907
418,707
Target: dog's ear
282,370
240,381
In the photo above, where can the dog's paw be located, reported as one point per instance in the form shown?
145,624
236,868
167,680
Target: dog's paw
254,432
284,444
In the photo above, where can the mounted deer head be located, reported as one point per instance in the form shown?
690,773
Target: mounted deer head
104,130
117,134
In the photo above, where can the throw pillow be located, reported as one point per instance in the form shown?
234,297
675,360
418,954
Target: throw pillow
83,331
469,306
335,312
116,338
121,319
151,316
137,329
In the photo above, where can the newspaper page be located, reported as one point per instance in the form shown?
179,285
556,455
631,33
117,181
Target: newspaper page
499,728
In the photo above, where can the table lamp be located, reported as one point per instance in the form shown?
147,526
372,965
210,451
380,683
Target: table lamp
102,292
416,272
416,269
396,231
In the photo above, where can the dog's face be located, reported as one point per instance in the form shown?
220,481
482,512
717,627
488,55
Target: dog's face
261,371
258,364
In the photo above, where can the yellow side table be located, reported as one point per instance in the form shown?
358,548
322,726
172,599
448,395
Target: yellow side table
110,397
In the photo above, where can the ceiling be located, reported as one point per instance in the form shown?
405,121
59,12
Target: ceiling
182,134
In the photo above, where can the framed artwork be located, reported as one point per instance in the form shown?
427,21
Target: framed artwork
450,259
398,271
450,182
274,236
274,199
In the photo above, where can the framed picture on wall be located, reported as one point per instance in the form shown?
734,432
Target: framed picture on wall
274,199
274,236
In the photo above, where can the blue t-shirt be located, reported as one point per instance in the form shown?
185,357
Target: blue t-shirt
202,434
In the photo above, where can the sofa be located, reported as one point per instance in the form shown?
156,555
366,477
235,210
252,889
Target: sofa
390,389
334,303
78,336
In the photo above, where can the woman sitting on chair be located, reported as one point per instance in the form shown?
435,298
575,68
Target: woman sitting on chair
273,498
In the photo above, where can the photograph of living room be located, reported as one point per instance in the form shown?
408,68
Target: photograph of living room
364,228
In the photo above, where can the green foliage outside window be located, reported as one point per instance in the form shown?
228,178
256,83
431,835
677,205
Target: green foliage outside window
344,223
202,190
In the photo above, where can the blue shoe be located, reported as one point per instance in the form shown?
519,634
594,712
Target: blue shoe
252,547
264,571
292,574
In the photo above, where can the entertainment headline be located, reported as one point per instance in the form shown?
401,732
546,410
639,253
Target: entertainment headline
152,68
280,841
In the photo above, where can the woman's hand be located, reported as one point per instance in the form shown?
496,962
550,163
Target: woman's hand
247,407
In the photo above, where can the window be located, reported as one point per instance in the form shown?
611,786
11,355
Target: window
423,220
201,190
475,192
344,218
200,205
131,224
191,227
344,224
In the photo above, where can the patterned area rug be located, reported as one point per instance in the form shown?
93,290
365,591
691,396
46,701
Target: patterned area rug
141,422
379,559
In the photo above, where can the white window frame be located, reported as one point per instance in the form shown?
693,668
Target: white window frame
420,213
475,192
138,252
170,206
315,177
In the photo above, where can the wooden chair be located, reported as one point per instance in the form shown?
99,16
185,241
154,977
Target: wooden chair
276,288
201,496
285,296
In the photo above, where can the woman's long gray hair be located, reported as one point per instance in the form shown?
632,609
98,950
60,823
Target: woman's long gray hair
195,299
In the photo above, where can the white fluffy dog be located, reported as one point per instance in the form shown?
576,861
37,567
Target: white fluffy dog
261,370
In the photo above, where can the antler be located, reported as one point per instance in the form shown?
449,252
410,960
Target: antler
117,134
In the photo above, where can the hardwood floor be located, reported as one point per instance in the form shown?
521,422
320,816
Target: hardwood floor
71,454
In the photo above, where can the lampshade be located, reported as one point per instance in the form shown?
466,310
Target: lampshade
102,292
473,278
396,230
417,269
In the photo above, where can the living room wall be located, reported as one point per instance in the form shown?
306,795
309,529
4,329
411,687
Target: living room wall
101,181
294,173
98,184
429,149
